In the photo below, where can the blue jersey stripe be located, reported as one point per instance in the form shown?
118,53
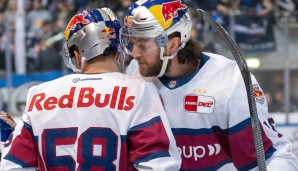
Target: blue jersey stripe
13,159
240,126
197,132
146,124
123,138
216,167
152,156
28,127
255,164
205,131
36,139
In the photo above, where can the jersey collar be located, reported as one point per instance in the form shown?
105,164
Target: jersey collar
171,83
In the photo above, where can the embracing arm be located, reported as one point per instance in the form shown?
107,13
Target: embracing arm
153,144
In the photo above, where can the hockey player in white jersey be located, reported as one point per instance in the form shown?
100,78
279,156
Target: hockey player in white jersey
203,93
97,119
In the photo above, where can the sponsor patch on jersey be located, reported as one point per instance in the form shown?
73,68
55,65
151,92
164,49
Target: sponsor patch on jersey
85,97
172,84
76,80
198,152
258,93
198,103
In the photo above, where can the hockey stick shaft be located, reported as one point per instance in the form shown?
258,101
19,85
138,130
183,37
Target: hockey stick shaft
248,84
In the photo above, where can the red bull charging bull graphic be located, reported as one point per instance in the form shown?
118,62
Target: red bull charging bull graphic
169,9
168,12
80,18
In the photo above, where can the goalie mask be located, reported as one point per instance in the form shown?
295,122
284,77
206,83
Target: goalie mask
92,32
153,21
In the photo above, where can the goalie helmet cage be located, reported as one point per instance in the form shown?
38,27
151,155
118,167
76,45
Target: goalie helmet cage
245,72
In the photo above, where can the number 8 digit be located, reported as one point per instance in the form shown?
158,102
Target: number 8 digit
97,149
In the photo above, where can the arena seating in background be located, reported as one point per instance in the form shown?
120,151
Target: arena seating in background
18,80
13,99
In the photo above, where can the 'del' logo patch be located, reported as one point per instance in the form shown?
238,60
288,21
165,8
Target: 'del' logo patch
198,103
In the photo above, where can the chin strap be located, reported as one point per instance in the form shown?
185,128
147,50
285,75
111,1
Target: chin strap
165,59
164,62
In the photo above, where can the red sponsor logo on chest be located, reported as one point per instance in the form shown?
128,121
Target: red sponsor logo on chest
87,97
198,103
190,103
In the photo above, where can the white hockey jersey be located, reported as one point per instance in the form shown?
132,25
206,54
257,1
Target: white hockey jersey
209,116
107,121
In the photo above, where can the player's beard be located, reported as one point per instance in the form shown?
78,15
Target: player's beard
150,69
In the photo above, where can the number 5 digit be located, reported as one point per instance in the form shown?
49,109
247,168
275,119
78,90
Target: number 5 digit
51,138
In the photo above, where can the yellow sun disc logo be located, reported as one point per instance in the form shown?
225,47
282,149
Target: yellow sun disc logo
157,13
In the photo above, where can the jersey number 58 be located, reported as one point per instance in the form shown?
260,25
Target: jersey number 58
96,149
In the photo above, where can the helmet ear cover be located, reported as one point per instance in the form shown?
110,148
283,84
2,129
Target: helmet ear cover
162,39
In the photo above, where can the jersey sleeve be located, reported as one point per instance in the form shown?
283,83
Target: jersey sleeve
240,132
153,146
20,151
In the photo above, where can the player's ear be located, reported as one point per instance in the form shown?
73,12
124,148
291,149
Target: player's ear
77,57
173,45
117,56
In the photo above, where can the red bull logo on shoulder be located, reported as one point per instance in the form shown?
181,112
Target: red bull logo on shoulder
169,9
258,93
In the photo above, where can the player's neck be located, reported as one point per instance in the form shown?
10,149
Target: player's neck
100,67
177,70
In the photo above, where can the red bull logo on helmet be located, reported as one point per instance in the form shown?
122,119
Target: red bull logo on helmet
168,13
169,9
72,25
127,21
107,33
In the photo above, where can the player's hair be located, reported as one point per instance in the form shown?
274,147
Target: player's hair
191,53
107,52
